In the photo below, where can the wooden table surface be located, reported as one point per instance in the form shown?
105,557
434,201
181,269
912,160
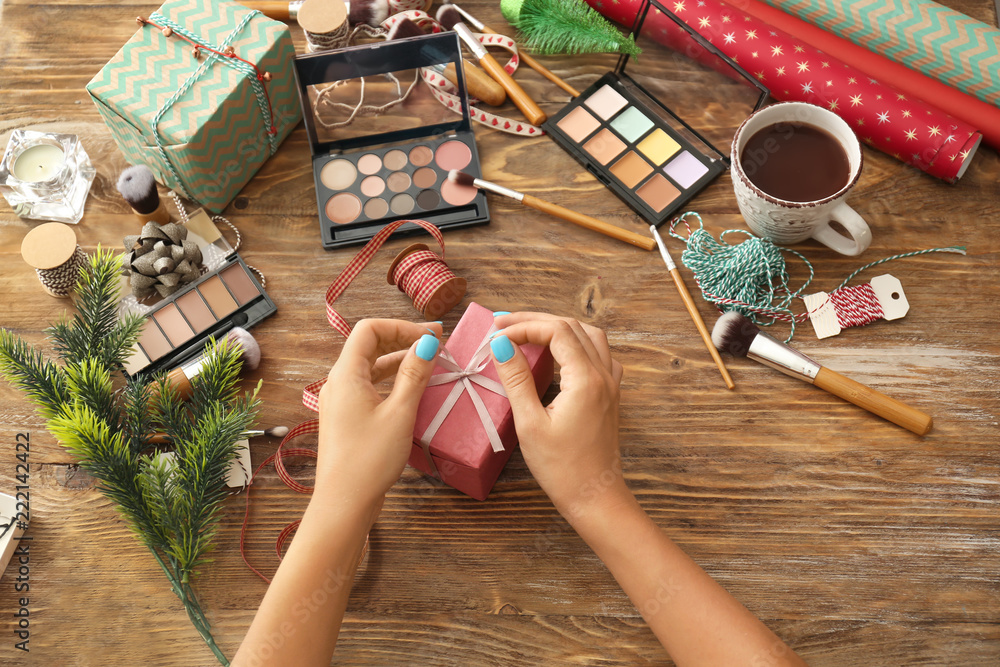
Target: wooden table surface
858,542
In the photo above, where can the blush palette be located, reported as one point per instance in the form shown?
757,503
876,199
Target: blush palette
372,169
624,134
178,327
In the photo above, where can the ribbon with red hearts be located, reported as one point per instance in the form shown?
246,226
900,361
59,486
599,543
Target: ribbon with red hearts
445,91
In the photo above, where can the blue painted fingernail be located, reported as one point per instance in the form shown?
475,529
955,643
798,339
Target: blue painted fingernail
439,322
427,347
501,312
502,348
496,333
433,333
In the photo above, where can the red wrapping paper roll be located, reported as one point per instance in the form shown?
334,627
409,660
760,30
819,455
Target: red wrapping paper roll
981,115
882,116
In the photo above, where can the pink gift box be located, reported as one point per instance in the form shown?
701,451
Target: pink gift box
469,439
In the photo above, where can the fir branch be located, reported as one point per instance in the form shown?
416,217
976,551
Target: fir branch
95,332
25,368
554,27
90,382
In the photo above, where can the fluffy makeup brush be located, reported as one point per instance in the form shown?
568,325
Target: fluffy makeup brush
736,334
138,187
467,180
452,19
371,12
180,377
477,82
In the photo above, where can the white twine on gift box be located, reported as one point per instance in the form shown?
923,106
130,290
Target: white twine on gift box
465,380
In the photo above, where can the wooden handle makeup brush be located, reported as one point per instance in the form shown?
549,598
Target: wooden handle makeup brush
644,242
279,11
525,58
691,307
477,82
451,19
138,187
180,377
273,432
736,334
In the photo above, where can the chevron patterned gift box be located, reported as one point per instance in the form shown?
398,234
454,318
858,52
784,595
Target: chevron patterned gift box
203,94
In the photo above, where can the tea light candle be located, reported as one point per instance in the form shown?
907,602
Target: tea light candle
41,162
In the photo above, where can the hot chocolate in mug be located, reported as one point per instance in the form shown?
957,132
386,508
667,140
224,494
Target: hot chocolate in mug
795,150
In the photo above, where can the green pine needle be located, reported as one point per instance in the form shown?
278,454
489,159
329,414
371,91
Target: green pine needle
106,424
570,26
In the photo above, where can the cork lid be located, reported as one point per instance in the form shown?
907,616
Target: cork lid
322,16
48,246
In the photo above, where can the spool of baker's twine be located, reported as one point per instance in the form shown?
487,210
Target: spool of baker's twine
325,24
51,249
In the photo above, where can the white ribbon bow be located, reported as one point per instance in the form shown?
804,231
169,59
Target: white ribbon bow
465,379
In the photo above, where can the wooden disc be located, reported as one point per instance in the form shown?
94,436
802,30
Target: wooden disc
399,258
445,297
322,16
48,246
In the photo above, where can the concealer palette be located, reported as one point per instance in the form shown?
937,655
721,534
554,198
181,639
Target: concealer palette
622,131
178,327
382,144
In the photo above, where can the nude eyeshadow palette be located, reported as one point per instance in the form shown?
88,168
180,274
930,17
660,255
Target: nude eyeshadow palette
178,327
372,169
641,149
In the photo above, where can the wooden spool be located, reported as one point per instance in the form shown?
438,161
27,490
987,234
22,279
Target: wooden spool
448,295
322,17
52,251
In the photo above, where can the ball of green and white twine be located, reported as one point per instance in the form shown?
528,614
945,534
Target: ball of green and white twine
751,276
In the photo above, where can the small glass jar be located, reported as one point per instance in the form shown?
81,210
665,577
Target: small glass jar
46,176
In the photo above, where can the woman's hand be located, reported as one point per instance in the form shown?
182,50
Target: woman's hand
571,446
364,441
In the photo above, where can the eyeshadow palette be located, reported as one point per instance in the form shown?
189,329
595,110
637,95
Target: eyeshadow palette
372,169
178,327
645,152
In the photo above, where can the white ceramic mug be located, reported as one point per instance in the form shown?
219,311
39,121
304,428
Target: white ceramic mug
784,222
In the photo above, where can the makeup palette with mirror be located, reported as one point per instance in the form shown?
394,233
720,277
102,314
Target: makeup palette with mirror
382,145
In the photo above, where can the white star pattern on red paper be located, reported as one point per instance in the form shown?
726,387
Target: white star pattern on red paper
703,22
833,106
751,34
883,117
803,66
934,131
780,71
776,51
856,100
729,38
906,113
911,134
807,87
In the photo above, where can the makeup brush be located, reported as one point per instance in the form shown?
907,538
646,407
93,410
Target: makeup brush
451,19
525,58
372,12
138,187
691,307
180,377
736,334
477,82
273,432
644,242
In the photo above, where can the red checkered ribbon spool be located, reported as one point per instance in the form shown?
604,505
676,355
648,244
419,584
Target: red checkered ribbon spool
419,273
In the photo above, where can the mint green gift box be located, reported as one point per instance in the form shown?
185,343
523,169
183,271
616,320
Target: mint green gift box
204,125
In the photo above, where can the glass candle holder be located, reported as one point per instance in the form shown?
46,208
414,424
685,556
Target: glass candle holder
46,176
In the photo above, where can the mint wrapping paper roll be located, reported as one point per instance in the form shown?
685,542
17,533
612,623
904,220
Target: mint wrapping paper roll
923,35
881,116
